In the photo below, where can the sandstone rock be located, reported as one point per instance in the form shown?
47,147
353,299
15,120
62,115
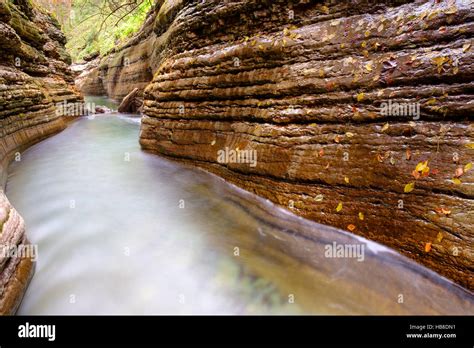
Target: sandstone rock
102,109
311,88
304,85
132,103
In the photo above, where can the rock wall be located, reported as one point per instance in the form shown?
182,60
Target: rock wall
34,78
124,69
359,112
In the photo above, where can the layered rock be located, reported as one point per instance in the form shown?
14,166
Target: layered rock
125,68
359,113
36,92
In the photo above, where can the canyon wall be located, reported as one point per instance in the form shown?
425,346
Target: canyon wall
34,79
359,114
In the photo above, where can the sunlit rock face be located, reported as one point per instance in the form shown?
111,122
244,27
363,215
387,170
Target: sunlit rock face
358,114
35,80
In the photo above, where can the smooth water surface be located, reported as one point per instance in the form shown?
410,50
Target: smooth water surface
121,231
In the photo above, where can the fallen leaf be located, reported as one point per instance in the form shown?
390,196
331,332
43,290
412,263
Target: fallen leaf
346,179
427,247
443,211
421,166
456,181
213,143
319,198
351,227
361,216
337,139
368,66
416,174
327,166
466,47
321,153
349,134
439,62
468,167
385,127
339,207
360,97
439,237
408,154
470,145
409,187
458,172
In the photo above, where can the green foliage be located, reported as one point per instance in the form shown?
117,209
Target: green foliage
97,26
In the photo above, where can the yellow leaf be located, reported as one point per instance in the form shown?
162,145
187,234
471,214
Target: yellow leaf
466,47
456,181
368,66
409,187
385,127
325,9
339,207
363,44
361,216
213,143
468,167
439,237
470,145
360,97
319,198
346,179
421,166
349,134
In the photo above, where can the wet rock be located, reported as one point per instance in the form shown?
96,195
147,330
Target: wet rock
102,109
132,103
340,101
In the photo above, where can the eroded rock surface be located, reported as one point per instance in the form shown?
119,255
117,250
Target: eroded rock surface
360,113
36,88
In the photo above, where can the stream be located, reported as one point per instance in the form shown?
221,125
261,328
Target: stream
121,231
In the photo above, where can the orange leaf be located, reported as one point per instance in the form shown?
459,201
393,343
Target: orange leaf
427,247
351,227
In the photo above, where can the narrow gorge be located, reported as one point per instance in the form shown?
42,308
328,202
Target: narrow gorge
354,115
303,83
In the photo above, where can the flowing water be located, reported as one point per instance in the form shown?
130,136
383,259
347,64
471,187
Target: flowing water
121,231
